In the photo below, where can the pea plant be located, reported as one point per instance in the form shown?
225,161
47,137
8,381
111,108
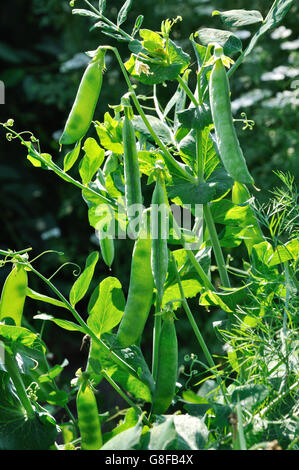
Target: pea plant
201,211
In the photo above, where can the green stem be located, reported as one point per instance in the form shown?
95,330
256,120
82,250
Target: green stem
216,246
14,373
188,91
197,332
82,323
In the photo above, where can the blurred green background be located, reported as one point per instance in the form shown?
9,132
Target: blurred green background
42,56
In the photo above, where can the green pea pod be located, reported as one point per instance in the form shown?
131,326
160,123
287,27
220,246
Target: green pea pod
167,367
82,112
229,148
140,291
88,419
133,193
253,234
107,250
14,295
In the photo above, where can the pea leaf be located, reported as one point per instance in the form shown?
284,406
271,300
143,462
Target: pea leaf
65,324
91,162
237,18
195,118
80,287
160,128
83,12
110,134
71,157
44,298
275,15
140,385
122,15
230,43
126,440
106,306
251,396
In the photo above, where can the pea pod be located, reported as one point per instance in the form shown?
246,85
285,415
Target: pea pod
133,193
82,112
88,419
167,367
140,291
14,295
107,249
229,148
253,234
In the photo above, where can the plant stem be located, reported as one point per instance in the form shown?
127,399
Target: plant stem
14,373
198,334
216,246
188,91
82,323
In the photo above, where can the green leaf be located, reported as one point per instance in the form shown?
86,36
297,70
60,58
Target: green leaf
20,433
215,187
110,134
106,306
18,338
230,43
195,118
251,396
137,25
284,253
83,12
141,385
44,298
102,5
65,324
237,18
227,300
122,15
179,432
81,286
166,65
276,13
126,440
71,157
160,128
91,162
131,419
191,286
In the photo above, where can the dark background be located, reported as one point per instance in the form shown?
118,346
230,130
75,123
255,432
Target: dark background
38,39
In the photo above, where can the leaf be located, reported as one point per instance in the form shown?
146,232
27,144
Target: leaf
83,12
110,134
131,419
126,440
276,13
216,186
65,324
102,5
284,253
237,18
227,300
160,128
18,338
166,65
122,15
80,287
91,162
44,298
230,43
191,286
140,385
195,118
71,157
179,432
251,396
106,306
137,25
